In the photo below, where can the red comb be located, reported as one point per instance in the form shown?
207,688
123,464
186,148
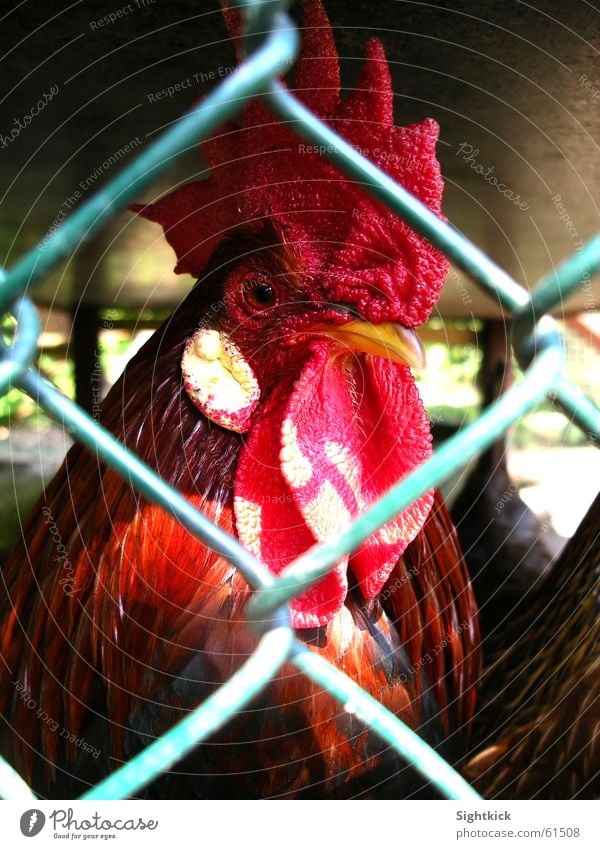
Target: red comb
349,242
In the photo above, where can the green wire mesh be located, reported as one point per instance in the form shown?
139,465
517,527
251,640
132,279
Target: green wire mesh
271,43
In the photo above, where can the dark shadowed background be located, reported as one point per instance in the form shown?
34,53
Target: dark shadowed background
515,87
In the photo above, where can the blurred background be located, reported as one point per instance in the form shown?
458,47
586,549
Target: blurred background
515,87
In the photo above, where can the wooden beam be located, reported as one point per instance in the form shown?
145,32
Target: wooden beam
447,335
84,349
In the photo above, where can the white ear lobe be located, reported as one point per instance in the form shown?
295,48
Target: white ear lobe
219,380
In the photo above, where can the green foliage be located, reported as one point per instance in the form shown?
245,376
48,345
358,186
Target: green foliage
448,385
18,409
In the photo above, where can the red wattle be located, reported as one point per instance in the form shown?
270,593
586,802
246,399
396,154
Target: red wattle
268,521
324,449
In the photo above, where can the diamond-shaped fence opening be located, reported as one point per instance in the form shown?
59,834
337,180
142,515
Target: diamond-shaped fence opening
535,341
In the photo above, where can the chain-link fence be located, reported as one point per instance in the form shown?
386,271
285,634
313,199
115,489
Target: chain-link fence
272,42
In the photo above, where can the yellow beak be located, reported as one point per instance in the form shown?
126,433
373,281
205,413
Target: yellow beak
391,341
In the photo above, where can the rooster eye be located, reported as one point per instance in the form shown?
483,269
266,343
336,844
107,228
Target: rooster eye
259,295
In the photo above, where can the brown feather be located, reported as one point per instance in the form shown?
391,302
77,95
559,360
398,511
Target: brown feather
542,688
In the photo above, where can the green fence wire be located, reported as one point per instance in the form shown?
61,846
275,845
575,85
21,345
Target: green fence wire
271,43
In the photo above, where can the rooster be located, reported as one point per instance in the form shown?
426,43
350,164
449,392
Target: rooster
279,399
540,713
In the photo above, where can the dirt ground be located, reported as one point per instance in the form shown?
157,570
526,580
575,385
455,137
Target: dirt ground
559,483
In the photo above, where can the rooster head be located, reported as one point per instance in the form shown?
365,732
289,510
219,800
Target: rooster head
312,291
